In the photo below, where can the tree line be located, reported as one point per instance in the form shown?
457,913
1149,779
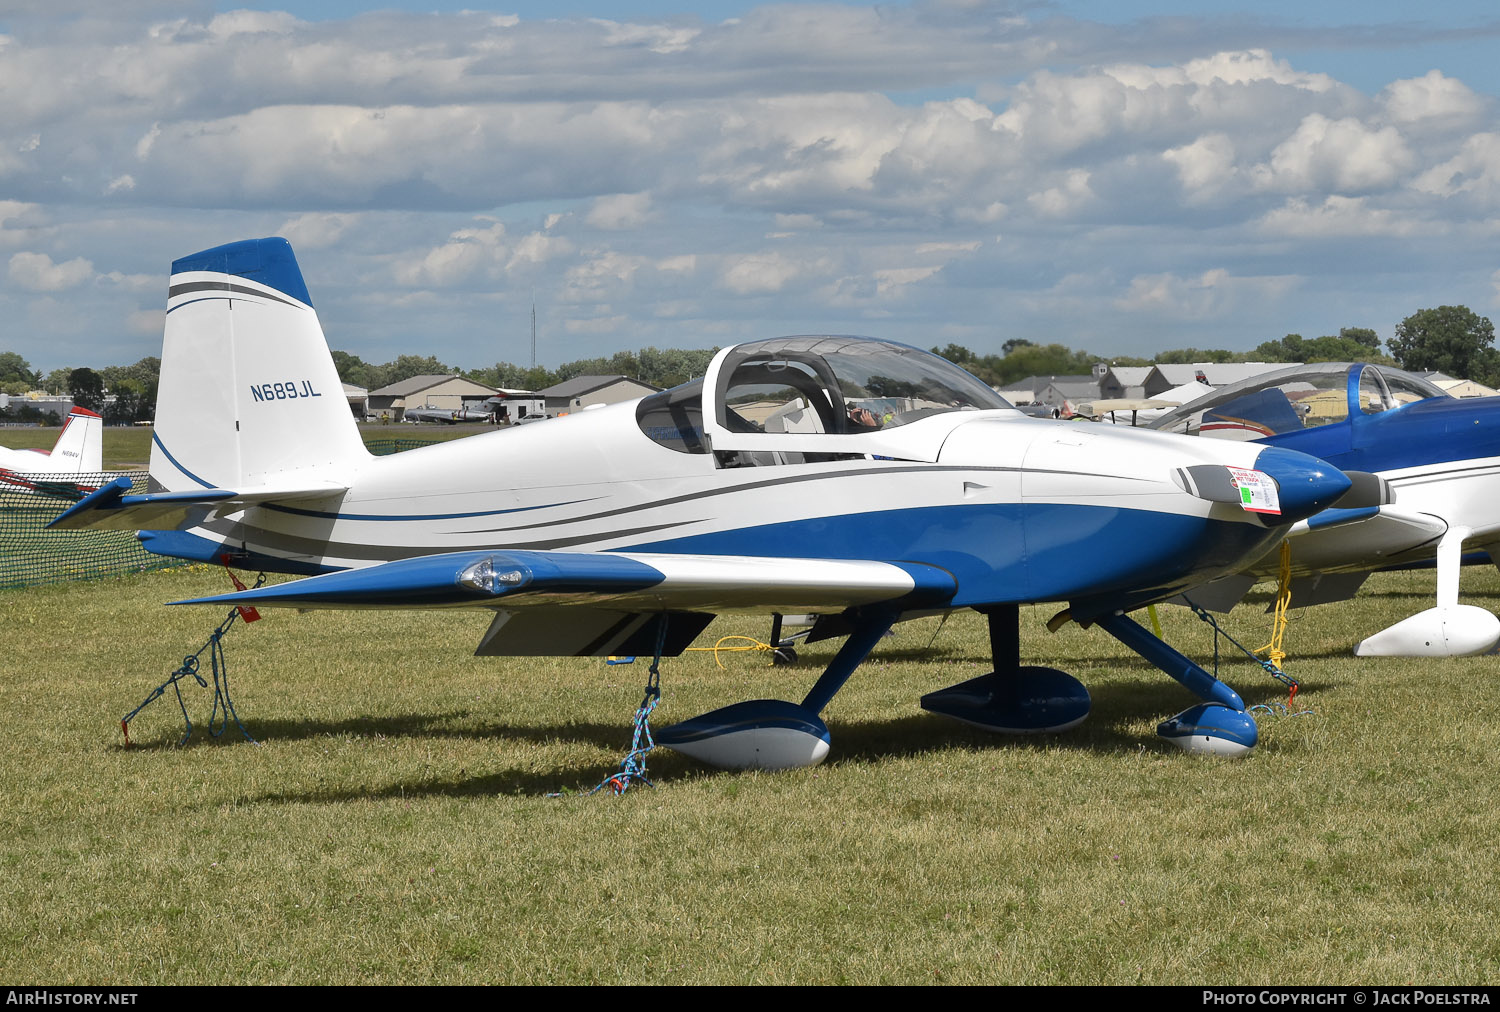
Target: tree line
1449,339
662,367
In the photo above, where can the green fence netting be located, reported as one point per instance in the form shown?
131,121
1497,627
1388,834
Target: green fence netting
30,554
383,447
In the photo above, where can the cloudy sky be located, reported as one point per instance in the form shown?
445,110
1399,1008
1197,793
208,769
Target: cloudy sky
1120,176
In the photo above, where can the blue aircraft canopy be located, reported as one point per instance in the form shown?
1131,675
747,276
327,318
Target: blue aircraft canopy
1298,397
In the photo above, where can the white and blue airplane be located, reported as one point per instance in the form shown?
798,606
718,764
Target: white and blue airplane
1438,458
79,450
768,485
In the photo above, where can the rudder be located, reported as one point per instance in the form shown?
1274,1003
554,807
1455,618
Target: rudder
80,446
249,394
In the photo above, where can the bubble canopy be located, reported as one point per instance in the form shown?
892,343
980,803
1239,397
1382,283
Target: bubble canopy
1296,398
822,388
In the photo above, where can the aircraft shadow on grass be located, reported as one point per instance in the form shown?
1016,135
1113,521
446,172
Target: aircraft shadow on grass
900,736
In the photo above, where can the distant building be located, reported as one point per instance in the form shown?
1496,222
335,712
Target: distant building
582,391
1124,381
446,393
1215,374
42,401
509,406
359,400
1068,390
1465,388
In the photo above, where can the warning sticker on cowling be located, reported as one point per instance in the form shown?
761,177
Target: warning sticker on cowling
1257,490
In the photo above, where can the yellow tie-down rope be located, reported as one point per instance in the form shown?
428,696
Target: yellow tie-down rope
755,644
1273,649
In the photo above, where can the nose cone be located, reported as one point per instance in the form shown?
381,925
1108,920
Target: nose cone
1306,484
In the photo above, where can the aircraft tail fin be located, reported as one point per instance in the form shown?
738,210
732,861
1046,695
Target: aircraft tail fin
80,445
249,395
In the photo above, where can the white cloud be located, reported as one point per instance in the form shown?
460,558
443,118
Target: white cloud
1474,171
1071,194
893,279
131,282
1344,154
241,22
537,248
316,230
1340,216
685,264
620,211
927,248
507,154
658,38
37,272
14,210
467,252
1212,294
765,273
1432,97
759,273
1205,165
605,274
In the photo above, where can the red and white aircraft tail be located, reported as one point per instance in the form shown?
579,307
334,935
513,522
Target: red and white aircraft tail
79,450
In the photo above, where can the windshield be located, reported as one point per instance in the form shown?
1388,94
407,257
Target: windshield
840,384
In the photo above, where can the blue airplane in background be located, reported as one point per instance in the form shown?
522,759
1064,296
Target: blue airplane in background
1438,456
772,484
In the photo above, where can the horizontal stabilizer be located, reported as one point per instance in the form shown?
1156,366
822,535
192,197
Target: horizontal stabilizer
625,582
113,508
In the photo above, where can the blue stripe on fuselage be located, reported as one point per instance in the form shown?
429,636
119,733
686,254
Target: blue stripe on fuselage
1015,552
1435,431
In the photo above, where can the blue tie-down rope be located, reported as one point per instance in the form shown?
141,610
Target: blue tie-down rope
223,706
1275,709
633,766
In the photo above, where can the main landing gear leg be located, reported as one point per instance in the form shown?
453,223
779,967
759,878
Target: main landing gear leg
1448,630
1217,726
773,734
1013,699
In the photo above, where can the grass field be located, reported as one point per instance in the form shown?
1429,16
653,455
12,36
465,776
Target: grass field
394,824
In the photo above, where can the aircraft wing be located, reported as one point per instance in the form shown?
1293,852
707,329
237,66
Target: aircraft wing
1349,540
519,579
1333,553
113,508
602,603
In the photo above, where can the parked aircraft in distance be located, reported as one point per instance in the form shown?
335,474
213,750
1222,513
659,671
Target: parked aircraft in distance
79,450
768,485
447,416
1438,455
